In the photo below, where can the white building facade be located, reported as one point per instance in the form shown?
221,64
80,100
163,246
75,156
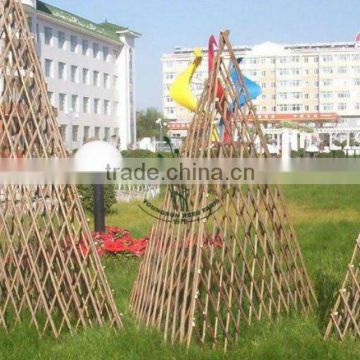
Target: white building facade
306,79
89,70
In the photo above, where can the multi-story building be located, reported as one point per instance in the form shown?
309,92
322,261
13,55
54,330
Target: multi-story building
89,70
304,81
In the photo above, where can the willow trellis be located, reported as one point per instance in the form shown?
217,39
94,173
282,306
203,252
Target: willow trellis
345,315
50,272
205,280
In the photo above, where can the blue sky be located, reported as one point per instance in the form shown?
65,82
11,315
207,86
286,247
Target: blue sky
168,23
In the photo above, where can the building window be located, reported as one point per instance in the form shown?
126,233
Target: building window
95,50
107,107
116,108
326,94
75,103
307,107
106,53
61,40
86,133
283,59
86,76
85,47
75,133
327,82
169,75
342,106
96,78
115,55
48,68
342,70
295,71
107,134
97,106
116,81
356,69
343,94
328,107
97,133
62,71
86,105
327,70
63,132
62,102
74,74
29,22
51,97
48,35
282,95
74,43
106,81
327,58
357,106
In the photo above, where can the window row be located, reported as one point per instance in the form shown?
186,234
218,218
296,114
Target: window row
339,106
287,108
75,45
340,57
97,79
98,106
88,132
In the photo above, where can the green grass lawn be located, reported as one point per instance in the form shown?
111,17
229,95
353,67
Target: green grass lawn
327,221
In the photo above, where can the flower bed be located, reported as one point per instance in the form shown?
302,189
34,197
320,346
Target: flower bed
118,240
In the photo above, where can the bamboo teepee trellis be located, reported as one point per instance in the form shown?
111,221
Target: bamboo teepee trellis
206,279
345,316
50,272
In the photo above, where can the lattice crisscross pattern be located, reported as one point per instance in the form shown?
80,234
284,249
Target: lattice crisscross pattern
50,272
344,318
207,279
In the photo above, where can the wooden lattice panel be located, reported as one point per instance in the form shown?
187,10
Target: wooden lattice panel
207,279
344,318
50,272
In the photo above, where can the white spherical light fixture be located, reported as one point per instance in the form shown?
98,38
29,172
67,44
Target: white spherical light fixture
97,156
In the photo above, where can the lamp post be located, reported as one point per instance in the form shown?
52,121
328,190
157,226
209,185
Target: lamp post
161,124
98,157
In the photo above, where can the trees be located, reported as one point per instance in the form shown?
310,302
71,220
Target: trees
146,123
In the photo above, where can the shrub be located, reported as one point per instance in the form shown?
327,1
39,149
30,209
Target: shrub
87,197
297,154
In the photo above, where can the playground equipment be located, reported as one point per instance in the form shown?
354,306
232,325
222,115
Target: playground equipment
193,288
180,90
50,272
345,315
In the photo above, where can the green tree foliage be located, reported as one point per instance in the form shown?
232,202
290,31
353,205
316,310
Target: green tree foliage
87,197
146,123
